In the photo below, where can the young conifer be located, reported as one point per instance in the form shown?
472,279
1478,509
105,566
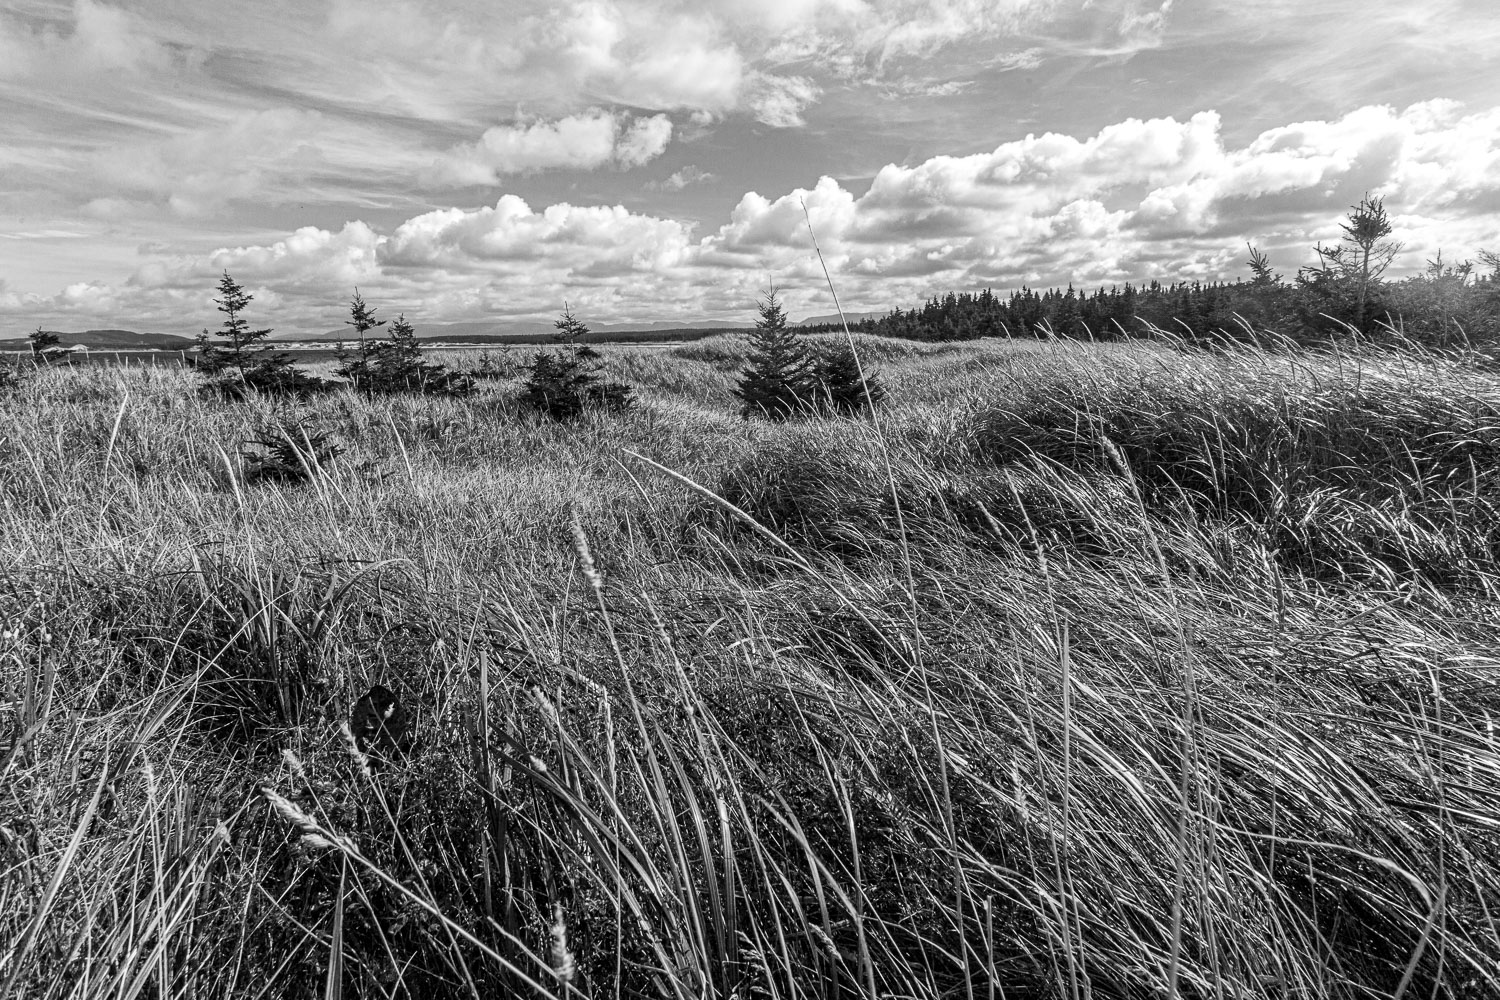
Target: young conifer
44,346
398,363
397,366
248,361
563,382
779,379
394,364
288,454
355,366
1261,273
239,356
494,366
842,385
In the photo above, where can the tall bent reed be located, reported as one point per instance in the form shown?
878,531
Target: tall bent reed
1152,717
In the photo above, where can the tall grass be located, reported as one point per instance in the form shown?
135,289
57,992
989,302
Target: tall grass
1208,640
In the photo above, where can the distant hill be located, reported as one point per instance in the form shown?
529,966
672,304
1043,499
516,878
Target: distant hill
669,326
531,332
108,340
834,318
435,331
501,332
596,336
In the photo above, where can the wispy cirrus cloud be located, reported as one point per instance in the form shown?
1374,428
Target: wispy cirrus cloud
45,234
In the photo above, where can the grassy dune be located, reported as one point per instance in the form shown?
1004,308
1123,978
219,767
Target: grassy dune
1088,671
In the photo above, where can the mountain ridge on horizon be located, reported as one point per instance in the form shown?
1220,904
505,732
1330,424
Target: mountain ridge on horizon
106,339
114,338
484,328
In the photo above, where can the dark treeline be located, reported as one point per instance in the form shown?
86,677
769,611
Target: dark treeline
1106,313
1344,293
1435,312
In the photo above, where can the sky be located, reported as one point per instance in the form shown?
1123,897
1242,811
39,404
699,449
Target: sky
650,160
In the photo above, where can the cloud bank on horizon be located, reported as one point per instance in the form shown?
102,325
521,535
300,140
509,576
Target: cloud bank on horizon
466,161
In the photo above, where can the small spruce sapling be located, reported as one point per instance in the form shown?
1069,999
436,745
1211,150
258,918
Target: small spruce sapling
248,361
44,347
1261,273
779,379
398,367
1263,305
399,360
355,367
214,359
842,384
1365,242
289,455
393,365
1352,268
563,382
494,366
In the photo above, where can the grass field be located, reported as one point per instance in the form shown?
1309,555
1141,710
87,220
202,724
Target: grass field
1085,671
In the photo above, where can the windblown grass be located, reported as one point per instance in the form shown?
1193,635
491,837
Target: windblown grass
1190,690
1376,464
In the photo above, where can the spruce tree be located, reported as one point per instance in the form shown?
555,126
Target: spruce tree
1262,275
398,362
397,366
289,455
355,367
239,356
843,387
779,379
394,364
248,361
1368,252
44,349
563,382
1345,282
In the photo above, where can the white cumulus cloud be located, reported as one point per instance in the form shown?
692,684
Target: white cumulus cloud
1139,199
511,235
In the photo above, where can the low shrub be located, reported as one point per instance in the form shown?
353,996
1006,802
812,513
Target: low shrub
385,366
242,362
45,349
496,366
565,381
269,379
841,383
292,455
